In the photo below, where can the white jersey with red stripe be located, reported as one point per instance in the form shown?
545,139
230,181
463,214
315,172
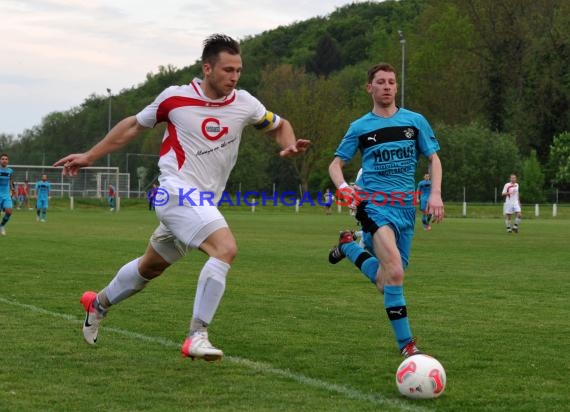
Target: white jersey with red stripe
511,193
200,145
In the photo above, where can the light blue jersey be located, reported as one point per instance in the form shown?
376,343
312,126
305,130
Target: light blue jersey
424,188
42,193
42,189
6,174
390,149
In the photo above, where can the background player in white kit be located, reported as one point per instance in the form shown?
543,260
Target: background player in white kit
204,120
512,204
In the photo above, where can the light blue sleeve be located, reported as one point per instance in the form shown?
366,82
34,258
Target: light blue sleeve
348,145
427,142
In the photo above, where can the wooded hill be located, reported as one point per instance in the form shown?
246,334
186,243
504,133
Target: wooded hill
491,76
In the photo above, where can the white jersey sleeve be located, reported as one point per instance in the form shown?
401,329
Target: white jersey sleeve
148,117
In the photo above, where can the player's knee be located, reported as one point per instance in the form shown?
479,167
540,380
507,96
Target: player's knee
227,252
394,275
221,245
150,269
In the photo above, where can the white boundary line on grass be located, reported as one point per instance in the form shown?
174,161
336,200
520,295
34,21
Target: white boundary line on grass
346,391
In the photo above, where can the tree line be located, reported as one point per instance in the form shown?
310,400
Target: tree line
491,77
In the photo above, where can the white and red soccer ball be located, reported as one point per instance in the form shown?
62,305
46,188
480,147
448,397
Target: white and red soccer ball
421,377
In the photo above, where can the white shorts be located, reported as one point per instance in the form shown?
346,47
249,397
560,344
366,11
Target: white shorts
184,227
510,208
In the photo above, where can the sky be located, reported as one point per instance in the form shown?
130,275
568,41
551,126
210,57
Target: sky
56,53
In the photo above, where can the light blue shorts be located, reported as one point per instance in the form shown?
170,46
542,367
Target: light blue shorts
6,202
402,220
41,204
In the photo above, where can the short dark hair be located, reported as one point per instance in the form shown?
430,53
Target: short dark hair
217,43
385,67
4,154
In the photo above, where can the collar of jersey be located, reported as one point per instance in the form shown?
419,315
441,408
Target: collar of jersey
198,89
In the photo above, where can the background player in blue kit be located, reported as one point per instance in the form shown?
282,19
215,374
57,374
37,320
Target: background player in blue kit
43,188
390,140
424,190
6,189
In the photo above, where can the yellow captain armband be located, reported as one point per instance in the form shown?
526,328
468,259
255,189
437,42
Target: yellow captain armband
267,122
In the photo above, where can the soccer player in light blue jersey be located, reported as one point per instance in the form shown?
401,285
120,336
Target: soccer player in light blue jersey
6,189
424,190
391,140
43,188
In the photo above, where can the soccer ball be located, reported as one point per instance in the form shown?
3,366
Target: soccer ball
421,377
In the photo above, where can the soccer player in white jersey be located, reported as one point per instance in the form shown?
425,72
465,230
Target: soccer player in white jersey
204,122
512,204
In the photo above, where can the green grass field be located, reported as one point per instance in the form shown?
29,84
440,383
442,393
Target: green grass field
299,334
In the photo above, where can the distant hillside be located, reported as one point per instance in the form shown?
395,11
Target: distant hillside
321,45
478,69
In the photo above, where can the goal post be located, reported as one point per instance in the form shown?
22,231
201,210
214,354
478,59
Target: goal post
90,182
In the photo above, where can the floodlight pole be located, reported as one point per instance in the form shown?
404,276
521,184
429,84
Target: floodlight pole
403,75
109,126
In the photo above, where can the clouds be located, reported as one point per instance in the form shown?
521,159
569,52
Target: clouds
58,52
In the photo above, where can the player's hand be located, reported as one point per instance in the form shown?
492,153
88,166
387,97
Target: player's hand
72,163
345,195
359,196
299,147
435,207
350,196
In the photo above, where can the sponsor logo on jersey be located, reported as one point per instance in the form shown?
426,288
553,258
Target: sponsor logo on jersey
388,155
212,130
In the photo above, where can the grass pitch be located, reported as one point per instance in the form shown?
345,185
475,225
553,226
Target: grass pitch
299,334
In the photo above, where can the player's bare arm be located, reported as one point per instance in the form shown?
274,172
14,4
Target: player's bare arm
285,138
435,203
337,177
335,172
119,136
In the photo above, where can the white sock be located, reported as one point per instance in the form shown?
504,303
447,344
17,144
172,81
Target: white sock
126,282
211,286
508,223
517,221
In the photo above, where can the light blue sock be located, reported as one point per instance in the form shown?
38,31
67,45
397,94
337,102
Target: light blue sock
395,305
363,260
